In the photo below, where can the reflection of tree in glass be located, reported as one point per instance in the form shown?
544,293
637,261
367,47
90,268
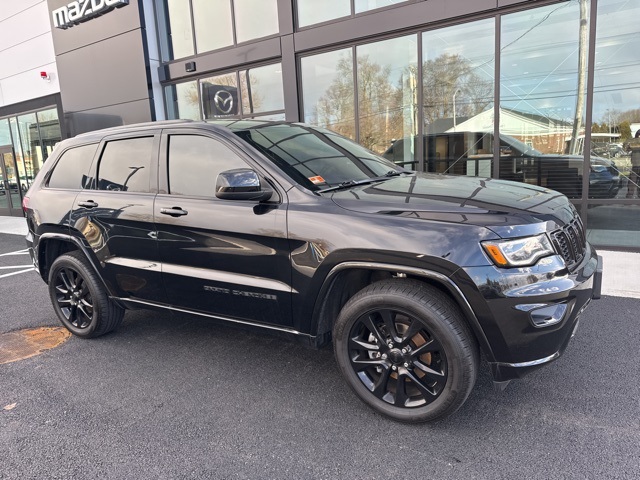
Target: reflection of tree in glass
442,78
335,109
252,99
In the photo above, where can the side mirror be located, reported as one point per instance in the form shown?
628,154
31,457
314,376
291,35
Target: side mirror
241,184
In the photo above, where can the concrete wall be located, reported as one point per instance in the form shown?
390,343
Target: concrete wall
26,49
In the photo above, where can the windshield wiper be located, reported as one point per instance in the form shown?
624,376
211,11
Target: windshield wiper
355,183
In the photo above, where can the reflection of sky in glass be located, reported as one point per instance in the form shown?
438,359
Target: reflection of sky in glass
540,59
314,11
266,89
180,24
364,5
213,25
5,136
255,18
318,74
617,70
472,41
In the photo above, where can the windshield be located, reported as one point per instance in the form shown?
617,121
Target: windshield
316,158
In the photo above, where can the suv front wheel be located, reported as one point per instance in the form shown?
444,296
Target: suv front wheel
406,351
79,299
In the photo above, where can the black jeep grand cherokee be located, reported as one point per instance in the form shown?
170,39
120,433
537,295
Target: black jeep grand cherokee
300,231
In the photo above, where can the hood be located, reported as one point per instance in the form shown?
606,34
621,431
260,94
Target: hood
497,204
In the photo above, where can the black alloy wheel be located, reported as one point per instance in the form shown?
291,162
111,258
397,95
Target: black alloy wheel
74,298
80,299
397,359
405,349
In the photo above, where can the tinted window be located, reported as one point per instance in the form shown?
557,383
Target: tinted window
195,162
314,158
72,168
124,166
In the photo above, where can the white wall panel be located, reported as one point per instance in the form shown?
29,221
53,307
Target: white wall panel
8,8
31,54
27,24
28,85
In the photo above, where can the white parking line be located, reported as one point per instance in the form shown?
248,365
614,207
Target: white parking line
16,266
17,273
17,252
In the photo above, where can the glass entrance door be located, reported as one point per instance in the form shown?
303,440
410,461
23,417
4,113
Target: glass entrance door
10,197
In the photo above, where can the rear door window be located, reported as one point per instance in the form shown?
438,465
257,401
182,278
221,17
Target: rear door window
125,165
71,170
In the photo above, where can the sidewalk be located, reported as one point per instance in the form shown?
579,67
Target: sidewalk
621,269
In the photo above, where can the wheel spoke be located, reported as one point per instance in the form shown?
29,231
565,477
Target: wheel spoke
380,387
65,279
64,302
430,346
388,318
82,309
360,364
73,314
427,391
358,344
61,290
401,391
413,329
370,323
429,372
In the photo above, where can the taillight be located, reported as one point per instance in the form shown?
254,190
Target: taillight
25,204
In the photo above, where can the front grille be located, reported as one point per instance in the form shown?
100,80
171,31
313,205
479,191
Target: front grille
571,242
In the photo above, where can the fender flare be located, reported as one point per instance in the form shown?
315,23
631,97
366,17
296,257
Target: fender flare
78,243
444,280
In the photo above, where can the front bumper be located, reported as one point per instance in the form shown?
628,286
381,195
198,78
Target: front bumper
530,314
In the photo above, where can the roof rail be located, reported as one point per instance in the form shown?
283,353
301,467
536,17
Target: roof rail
135,125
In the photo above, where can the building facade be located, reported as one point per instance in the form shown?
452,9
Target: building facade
541,92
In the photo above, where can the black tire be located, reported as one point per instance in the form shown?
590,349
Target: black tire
404,329
79,298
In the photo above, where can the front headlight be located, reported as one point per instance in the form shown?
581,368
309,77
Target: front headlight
520,252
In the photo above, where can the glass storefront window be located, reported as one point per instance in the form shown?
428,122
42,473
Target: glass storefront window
616,98
313,11
5,134
262,89
387,74
614,226
31,145
182,101
180,31
328,91
458,91
364,5
543,95
220,96
49,130
255,19
212,22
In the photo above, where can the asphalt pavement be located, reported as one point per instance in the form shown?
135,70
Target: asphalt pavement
175,396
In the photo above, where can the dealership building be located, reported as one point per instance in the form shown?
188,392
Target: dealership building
541,92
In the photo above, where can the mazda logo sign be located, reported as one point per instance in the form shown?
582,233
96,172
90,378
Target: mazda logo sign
224,101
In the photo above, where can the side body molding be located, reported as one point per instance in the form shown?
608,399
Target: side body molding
440,278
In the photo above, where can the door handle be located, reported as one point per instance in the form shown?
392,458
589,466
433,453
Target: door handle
88,204
173,211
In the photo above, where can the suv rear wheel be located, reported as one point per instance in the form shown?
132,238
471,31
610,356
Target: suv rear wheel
406,351
79,299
